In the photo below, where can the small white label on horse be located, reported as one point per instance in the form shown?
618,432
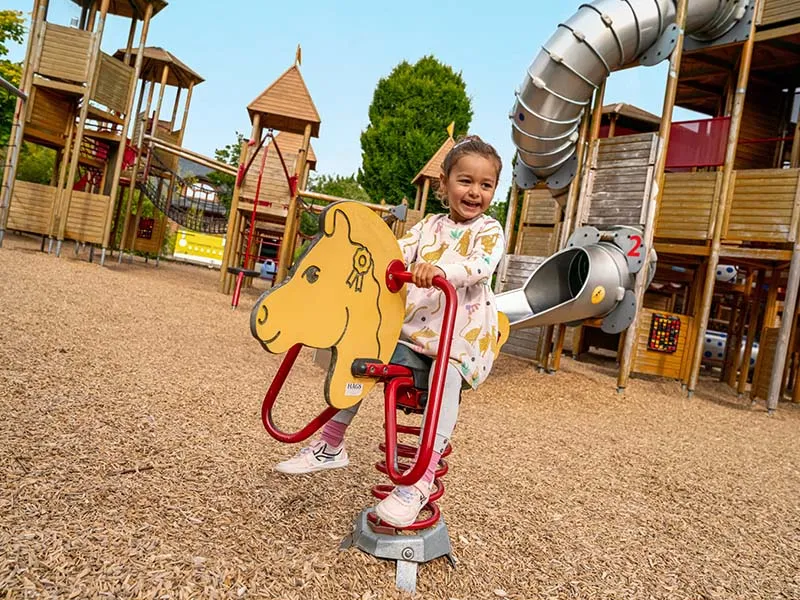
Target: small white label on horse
353,389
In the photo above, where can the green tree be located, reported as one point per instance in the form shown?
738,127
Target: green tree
222,181
409,115
36,163
11,29
342,186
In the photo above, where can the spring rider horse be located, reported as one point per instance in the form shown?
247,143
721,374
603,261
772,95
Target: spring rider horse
346,294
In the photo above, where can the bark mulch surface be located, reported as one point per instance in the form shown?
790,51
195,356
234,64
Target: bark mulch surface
134,464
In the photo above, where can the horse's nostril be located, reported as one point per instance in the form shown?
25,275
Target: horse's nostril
262,318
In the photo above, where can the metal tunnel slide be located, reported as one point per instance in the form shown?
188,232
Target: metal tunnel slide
594,276
602,37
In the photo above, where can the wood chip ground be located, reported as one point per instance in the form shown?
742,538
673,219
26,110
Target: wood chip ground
134,464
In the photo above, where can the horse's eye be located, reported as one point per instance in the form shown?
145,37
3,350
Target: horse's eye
311,274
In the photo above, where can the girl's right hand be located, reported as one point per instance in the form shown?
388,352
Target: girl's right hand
422,274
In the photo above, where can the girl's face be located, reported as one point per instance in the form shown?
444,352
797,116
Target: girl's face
470,186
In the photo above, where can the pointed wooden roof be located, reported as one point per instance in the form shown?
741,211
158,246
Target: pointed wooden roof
286,105
434,166
153,63
128,8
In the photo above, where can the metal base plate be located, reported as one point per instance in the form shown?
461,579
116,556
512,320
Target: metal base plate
407,550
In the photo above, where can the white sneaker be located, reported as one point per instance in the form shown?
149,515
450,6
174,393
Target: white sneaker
316,457
402,506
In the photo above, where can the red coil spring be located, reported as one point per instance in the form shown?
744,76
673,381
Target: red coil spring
409,402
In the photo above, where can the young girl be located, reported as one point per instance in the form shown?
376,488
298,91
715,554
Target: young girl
465,247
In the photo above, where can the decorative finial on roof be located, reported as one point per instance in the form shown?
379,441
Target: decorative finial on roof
298,57
451,128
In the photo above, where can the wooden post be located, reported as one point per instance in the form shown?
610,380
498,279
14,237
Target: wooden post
131,35
656,190
787,320
16,135
567,225
66,192
175,110
135,168
186,113
523,214
722,206
418,197
612,124
511,215
426,186
292,217
153,133
129,117
232,236
752,325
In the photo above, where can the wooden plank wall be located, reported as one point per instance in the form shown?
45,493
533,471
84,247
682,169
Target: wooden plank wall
274,188
766,358
49,115
764,206
619,180
113,83
31,207
761,120
513,273
540,227
687,206
65,53
87,216
648,362
777,11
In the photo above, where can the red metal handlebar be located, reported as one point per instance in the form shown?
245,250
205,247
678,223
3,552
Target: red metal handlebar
396,276
272,395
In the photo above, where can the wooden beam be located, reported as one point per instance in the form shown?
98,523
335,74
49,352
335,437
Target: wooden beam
293,218
757,253
752,324
778,32
232,235
722,206
656,192
66,192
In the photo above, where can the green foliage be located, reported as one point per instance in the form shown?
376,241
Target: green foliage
222,181
498,210
409,115
342,186
11,29
36,163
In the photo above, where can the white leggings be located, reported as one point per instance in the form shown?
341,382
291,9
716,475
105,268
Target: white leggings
448,414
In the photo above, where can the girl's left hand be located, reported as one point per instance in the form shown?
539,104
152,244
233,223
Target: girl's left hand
422,274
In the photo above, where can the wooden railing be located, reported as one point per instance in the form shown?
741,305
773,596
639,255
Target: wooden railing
763,206
65,53
777,11
687,206
112,83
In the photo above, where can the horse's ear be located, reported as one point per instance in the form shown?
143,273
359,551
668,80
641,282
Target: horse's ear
335,221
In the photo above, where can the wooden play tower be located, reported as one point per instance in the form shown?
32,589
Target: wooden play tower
156,146
284,119
715,194
80,104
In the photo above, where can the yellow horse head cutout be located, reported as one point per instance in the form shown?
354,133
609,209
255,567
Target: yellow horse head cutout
336,297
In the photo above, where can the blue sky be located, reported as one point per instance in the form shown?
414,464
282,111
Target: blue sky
241,46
